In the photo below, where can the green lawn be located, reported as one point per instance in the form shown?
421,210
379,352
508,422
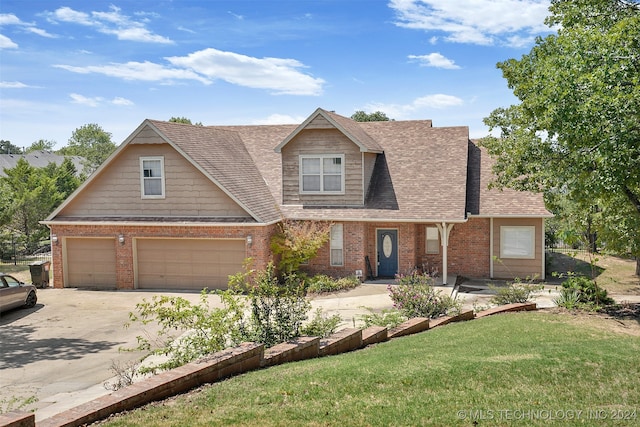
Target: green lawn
535,368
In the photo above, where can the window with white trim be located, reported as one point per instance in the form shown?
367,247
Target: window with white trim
337,244
432,241
152,177
322,174
518,242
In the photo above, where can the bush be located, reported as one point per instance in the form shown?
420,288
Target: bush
188,331
322,284
321,325
277,310
568,298
587,290
515,292
414,296
388,318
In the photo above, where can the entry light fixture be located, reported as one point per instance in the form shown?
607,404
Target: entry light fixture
249,240
54,239
121,239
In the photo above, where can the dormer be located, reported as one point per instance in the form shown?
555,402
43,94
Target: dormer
327,161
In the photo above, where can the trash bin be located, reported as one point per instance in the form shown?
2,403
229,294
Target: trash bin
40,273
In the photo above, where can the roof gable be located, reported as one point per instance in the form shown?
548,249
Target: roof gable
350,128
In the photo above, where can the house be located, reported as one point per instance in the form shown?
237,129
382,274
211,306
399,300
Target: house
38,159
179,206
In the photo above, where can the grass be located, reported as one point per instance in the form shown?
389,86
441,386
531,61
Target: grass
452,375
613,273
20,272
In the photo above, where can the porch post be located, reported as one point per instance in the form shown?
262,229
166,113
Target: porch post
444,230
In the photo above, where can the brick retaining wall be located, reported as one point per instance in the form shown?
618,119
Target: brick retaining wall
234,361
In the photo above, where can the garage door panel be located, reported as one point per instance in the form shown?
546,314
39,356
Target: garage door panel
188,263
90,263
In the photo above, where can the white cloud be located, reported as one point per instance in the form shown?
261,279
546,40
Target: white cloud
13,85
145,71
435,60
280,75
7,43
483,22
83,100
11,19
406,111
112,22
121,101
280,119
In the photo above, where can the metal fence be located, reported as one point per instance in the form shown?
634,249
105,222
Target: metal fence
13,253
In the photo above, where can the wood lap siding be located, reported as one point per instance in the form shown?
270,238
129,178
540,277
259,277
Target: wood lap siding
517,267
116,192
323,141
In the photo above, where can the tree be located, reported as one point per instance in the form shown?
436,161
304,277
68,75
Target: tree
184,120
361,116
576,131
91,142
6,147
28,194
41,145
33,195
297,242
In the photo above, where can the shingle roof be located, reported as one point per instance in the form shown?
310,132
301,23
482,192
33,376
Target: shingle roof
495,202
348,127
422,173
420,177
38,159
223,156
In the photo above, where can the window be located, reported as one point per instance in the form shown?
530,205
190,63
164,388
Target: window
433,243
152,177
322,174
337,242
517,242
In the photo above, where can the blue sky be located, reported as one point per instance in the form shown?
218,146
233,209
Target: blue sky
67,63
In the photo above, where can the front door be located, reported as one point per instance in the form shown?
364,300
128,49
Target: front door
387,253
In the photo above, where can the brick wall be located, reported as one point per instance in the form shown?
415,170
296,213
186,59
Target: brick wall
259,249
468,252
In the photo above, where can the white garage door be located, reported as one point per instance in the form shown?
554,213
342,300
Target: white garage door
187,263
90,263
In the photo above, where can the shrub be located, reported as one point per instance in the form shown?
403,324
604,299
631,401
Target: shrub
321,325
587,290
297,242
515,292
277,310
322,284
414,296
388,318
188,331
568,298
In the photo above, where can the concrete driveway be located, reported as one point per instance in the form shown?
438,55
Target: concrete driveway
61,351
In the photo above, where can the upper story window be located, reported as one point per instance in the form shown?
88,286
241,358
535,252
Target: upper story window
322,174
152,177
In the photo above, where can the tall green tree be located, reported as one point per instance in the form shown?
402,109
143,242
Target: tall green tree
6,147
40,145
361,116
576,130
91,142
184,120
33,195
